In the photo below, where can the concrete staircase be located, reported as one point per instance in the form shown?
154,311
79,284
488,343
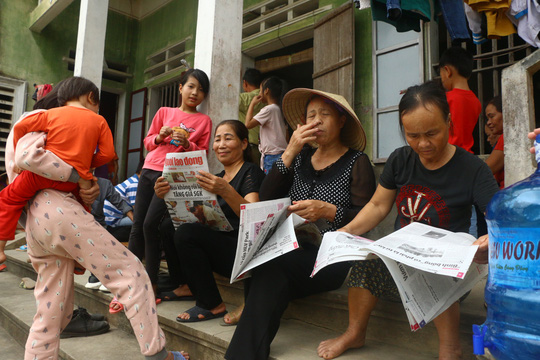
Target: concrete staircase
305,324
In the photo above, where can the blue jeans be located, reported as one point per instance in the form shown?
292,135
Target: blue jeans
454,18
269,160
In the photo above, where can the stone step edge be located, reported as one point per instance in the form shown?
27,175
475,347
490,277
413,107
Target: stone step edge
386,316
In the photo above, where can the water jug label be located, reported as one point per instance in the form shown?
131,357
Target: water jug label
514,255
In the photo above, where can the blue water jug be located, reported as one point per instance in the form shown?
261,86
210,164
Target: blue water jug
512,327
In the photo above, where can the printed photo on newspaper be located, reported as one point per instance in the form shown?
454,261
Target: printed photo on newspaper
187,202
266,232
432,268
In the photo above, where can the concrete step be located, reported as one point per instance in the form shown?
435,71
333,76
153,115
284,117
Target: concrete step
11,350
306,323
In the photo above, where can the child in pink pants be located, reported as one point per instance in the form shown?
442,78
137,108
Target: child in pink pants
60,232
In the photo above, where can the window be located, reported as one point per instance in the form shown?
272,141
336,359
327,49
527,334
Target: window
12,98
166,60
397,64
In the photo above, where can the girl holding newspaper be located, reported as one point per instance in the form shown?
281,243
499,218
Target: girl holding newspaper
328,184
202,250
172,130
430,181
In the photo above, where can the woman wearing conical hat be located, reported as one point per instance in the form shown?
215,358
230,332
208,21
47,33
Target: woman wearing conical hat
329,180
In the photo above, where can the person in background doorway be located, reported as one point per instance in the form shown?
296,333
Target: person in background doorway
251,83
273,133
495,160
455,68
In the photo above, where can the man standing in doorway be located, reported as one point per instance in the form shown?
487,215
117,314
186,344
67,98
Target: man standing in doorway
251,83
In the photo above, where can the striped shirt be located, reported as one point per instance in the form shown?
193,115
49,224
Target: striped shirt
128,192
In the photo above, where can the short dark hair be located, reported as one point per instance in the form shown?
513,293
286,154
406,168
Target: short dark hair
428,93
460,59
75,87
253,77
201,77
497,102
242,132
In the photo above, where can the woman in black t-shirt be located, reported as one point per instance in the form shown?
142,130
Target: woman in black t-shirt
430,181
202,250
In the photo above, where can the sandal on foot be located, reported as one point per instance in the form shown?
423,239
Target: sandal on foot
178,355
171,296
3,267
114,302
194,313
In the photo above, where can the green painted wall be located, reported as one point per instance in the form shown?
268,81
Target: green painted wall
37,57
167,26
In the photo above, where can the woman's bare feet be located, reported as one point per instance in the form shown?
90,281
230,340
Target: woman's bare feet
332,348
233,317
217,310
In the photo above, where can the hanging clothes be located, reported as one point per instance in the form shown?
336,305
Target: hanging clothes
474,19
498,24
525,14
453,13
406,15
412,11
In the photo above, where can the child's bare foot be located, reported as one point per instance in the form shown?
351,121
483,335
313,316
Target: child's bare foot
332,348
233,317
172,356
3,256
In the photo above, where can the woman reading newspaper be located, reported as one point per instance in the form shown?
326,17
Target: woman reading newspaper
430,181
202,250
328,183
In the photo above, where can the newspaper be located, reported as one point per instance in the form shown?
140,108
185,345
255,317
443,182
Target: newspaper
430,266
266,232
187,202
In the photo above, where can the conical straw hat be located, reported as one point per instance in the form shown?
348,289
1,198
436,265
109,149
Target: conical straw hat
294,110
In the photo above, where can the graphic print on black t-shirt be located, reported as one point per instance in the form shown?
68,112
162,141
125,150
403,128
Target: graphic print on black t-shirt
417,203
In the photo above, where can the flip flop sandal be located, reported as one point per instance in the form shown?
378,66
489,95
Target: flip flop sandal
171,296
27,283
178,355
115,301
194,313
22,248
234,320
3,267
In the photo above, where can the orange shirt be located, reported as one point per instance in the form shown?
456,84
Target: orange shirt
73,134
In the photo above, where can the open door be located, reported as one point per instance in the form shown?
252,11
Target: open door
333,52
136,130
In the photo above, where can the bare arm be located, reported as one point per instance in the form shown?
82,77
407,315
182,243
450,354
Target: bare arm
373,213
250,121
495,161
221,187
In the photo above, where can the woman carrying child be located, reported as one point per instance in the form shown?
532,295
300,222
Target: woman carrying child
444,181
74,131
192,132
59,230
273,133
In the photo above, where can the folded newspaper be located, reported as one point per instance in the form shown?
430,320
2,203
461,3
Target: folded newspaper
187,201
266,232
430,266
